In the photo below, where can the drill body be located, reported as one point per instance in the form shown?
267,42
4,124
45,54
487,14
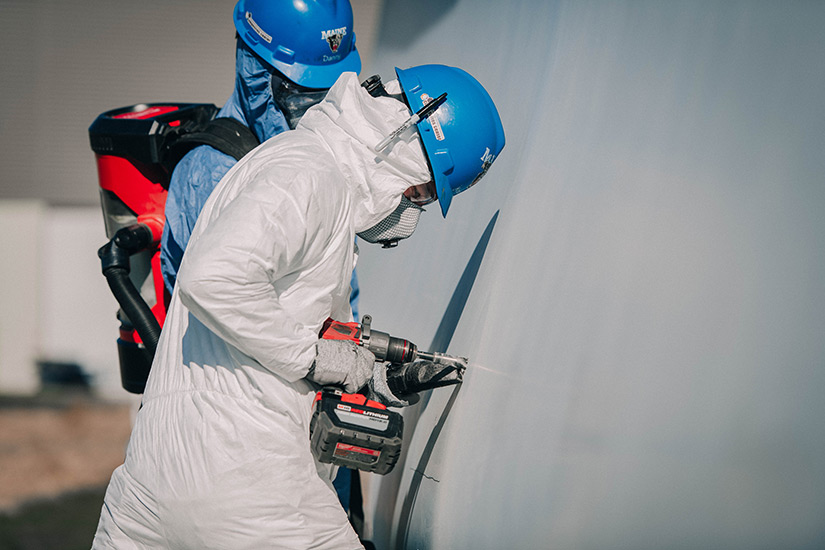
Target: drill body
382,345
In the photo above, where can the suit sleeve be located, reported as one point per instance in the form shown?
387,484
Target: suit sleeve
227,281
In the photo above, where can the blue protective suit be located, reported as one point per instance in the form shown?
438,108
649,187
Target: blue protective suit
200,170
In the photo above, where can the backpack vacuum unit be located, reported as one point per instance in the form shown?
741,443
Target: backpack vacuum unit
136,149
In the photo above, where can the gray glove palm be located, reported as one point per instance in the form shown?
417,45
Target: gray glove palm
341,363
412,378
399,386
381,392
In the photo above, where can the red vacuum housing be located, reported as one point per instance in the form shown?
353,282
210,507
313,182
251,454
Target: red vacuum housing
135,153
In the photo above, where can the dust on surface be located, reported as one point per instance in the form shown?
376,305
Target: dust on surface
50,447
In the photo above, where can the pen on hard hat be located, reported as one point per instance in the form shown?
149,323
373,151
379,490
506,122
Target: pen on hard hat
416,117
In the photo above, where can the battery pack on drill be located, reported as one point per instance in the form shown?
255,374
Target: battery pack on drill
350,430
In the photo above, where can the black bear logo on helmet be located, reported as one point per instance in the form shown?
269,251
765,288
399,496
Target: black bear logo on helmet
334,37
334,41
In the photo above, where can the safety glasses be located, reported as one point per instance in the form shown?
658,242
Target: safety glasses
293,99
422,194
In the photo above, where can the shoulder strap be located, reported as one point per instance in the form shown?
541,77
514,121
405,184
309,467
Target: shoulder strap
229,136
225,134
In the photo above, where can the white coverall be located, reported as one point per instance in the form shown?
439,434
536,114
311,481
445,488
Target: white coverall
219,456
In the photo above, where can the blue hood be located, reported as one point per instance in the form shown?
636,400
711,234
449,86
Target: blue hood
252,98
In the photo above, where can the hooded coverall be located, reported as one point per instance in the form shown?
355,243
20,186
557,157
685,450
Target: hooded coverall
219,456
200,170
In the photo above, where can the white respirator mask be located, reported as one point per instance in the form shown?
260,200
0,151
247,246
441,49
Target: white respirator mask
400,224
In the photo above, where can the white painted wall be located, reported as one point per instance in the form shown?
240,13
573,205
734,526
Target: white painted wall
78,312
21,269
56,305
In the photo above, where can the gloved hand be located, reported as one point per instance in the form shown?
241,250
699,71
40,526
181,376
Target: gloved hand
411,378
341,363
380,391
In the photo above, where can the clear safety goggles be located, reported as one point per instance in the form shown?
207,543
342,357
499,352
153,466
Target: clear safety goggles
422,194
293,99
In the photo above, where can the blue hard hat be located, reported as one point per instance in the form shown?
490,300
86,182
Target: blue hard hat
463,136
311,42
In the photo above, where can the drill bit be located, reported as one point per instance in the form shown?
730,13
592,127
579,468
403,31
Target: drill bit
459,363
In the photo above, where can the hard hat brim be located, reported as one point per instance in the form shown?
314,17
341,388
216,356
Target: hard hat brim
318,76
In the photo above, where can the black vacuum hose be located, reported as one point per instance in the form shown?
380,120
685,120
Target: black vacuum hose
114,257
135,307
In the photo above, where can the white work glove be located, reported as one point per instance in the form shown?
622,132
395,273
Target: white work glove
380,391
341,363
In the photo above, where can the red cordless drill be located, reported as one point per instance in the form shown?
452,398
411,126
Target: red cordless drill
385,347
350,430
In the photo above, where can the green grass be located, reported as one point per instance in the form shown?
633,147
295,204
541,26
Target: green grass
65,523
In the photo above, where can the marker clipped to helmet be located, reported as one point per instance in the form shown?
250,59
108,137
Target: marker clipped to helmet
425,111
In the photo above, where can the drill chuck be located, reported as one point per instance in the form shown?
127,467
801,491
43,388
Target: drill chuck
392,349
386,347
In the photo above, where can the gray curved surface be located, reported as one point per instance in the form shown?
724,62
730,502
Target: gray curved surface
645,330
441,342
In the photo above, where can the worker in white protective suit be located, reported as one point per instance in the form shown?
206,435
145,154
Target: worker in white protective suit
220,456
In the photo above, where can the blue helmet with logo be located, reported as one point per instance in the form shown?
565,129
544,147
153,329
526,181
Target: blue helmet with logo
463,136
311,42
